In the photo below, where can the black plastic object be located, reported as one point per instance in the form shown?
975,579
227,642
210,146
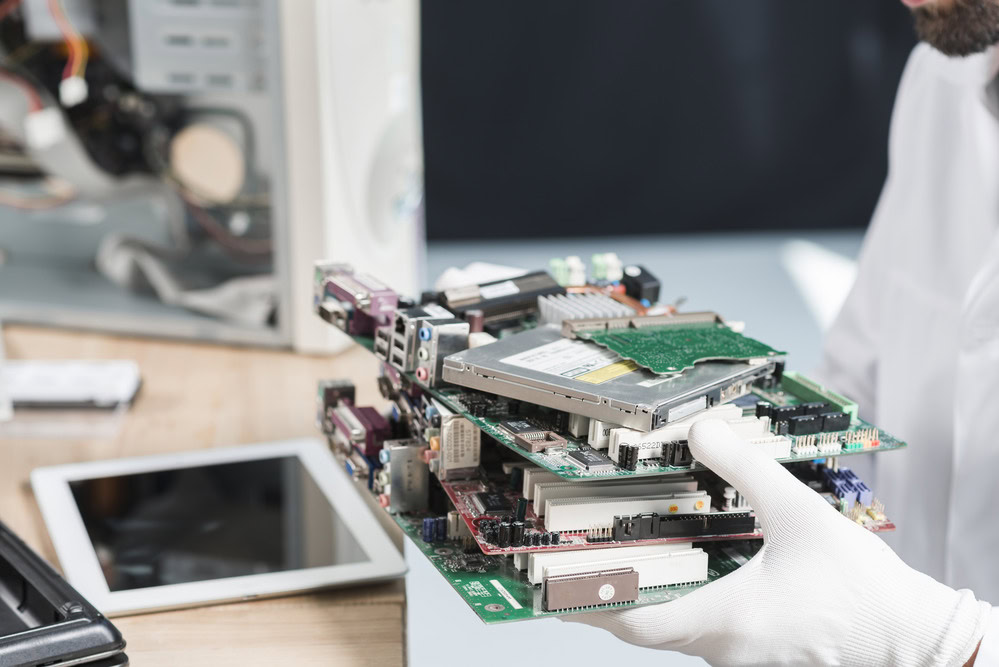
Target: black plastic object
640,284
43,620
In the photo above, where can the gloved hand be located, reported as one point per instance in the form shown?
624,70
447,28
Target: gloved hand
822,590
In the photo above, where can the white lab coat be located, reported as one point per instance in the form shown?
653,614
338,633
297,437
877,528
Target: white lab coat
917,342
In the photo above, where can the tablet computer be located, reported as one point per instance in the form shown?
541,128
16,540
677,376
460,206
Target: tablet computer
208,526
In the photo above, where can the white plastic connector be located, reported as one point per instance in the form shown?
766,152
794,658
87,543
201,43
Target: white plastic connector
599,433
535,476
667,569
577,271
627,488
73,91
44,128
746,427
540,561
567,514
579,425
614,268
776,446
729,495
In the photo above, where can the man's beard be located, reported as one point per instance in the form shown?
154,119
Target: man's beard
969,26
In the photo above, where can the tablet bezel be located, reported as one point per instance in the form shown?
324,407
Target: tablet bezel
81,568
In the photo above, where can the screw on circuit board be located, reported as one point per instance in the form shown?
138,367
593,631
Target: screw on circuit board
494,607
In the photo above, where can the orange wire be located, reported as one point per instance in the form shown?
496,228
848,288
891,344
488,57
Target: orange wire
74,42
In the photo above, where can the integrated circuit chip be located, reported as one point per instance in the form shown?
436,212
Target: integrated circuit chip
491,502
589,589
587,459
519,426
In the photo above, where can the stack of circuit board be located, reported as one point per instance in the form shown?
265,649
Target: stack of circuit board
534,443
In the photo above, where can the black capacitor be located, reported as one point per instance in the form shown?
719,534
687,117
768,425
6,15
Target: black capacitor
764,409
476,319
536,539
517,533
521,509
487,531
527,538
503,535
546,539
556,538
440,529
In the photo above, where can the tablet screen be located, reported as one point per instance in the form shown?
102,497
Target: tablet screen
211,522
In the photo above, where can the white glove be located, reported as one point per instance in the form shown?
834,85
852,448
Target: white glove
822,590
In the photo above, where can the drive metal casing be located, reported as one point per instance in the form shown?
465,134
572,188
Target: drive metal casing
540,366
438,339
410,477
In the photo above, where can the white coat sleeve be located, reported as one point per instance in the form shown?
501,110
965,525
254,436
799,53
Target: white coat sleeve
988,652
849,360
851,350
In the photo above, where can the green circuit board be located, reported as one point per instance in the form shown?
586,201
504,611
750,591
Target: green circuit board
797,389
499,593
672,348
560,462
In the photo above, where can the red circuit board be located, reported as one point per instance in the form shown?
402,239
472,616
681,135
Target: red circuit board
462,493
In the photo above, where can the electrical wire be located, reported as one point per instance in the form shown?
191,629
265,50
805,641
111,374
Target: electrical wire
34,99
79,52
55,194
222,235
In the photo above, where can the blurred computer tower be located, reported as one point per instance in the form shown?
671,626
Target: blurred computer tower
220,147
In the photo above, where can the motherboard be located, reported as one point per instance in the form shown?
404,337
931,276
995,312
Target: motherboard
535,448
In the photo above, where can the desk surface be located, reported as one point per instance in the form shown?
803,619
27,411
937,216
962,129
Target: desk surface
196,396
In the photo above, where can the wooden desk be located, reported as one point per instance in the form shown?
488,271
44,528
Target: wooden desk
196,396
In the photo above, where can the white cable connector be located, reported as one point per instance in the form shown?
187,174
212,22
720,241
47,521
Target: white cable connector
72,91
44,128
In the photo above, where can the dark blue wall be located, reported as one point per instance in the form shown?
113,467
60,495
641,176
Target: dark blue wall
586,117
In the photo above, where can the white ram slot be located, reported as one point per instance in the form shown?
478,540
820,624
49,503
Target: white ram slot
672,432
520,560
546,491
535,476
541,560
678,567
572,514
777,446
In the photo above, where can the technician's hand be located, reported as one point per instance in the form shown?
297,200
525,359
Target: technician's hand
822,590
